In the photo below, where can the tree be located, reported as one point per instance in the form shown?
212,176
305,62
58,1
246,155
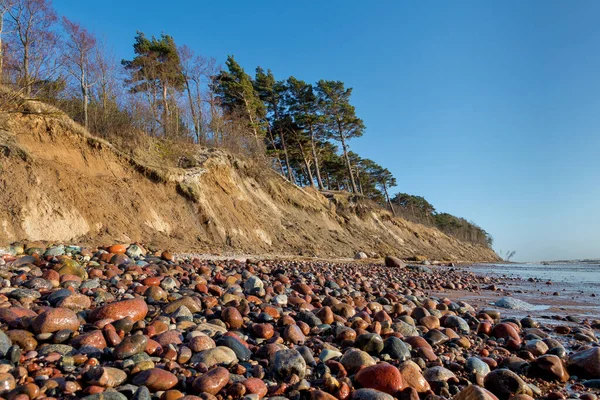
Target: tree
302,103
80,49
385,180
236,95
340,116
196,73
5,5
415,206
271,92
34,41
155,70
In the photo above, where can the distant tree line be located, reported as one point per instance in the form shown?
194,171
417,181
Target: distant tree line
168,91
417,209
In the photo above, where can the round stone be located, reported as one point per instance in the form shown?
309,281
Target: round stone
136,309
288,362
212,381
155,379
383,377
56,319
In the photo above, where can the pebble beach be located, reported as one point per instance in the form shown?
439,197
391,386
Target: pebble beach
131,322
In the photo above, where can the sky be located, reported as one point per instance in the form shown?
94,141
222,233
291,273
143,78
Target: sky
490,110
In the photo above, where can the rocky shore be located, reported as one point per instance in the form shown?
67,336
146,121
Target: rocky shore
126,322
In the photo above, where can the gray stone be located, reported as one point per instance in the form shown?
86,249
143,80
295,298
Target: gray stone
396,348
370,394
477,366
513,304
5,344
288,362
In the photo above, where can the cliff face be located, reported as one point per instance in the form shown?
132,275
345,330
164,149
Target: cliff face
59,184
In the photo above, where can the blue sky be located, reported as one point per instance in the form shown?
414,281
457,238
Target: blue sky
490,110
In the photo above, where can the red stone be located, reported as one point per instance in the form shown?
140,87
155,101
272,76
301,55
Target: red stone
383,377
134,308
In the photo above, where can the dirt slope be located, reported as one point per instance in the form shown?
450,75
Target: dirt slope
59,184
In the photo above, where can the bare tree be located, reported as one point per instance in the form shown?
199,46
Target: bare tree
195,70
106,91
31,23
5,5
79,55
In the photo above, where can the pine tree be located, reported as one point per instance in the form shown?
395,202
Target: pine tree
155,69
236,94
341,121
271,93
303,107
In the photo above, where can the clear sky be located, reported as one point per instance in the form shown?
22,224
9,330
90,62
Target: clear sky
488,109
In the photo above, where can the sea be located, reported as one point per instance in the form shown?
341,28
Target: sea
584,272
567,287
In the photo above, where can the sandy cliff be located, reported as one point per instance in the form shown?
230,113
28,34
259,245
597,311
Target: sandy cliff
57,183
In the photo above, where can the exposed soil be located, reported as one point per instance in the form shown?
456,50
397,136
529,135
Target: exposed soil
58,183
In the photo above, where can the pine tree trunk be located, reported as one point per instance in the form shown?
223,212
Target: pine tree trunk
360,187
350,174
387,197
272,139
315,158
251,120
307,166
275,107
287,159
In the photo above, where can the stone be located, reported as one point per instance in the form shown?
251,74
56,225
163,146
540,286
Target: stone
514,304
232,317
396,348
93,339
212,381
382,377
549,367
241,352
438,374
155,379
5,343
473,392
394,262
293,334
7,382
586,363
55,319
107,377
504,383
76,302
201,342
457,323
328,354
256,386
477,366
105,396
354,359
219,355
136,309
370,394
372,343
412,376
288,362
130,346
